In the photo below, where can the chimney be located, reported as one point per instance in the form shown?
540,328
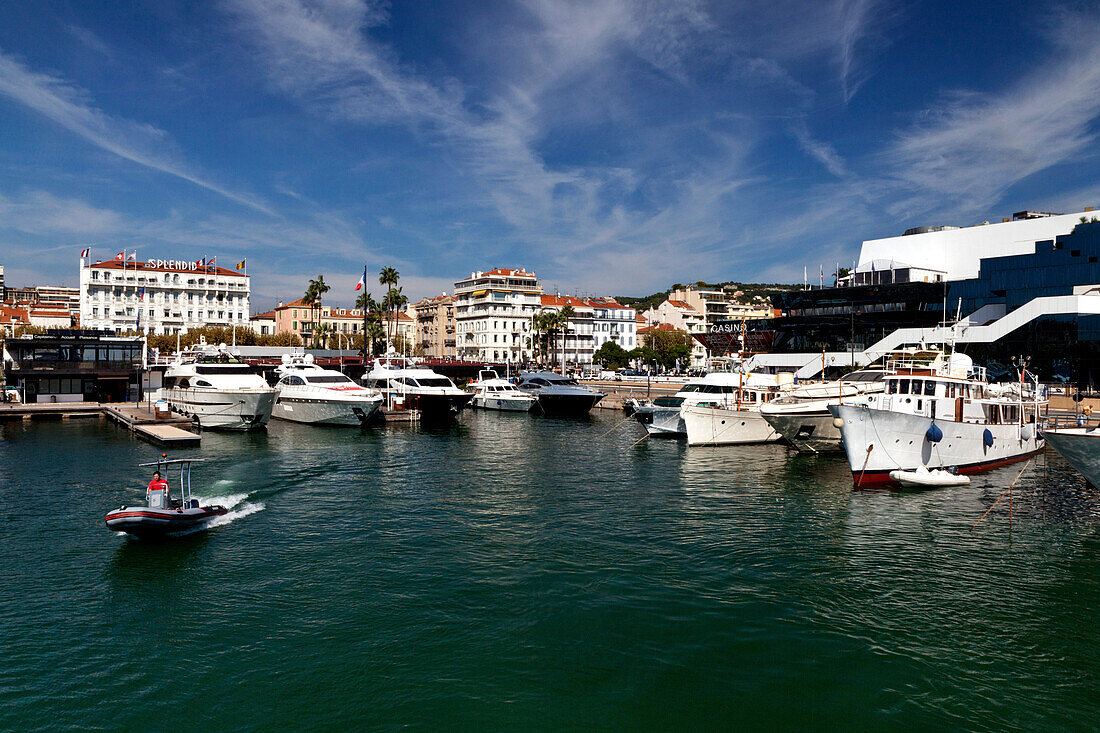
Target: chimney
280,304
1090,208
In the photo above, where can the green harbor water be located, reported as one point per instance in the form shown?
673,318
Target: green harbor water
514,572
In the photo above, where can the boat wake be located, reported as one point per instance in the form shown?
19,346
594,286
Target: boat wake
237,504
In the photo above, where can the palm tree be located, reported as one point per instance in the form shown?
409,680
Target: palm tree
388,276
562,319
321,335
312,298
394,301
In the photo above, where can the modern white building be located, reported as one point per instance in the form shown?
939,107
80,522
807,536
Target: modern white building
163,296
955,253
493,311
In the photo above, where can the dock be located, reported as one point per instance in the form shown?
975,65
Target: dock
162,431
399,416
54,410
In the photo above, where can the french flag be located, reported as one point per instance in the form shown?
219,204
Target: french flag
362,281
85,252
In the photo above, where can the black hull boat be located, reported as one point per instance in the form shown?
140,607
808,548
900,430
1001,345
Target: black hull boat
163,516
568,405
141,521
438,406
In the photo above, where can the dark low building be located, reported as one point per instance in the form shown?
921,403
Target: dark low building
73,366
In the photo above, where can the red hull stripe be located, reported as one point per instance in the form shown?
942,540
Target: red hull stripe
871,478
152,515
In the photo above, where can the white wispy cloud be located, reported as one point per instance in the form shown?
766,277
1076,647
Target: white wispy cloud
970,148
71,108
40,212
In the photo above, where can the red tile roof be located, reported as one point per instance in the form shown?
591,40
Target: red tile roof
146,267
506,272
256,316
660,327
564,300
680,304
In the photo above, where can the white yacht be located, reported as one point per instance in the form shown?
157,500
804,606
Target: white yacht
308,393
727,410
661,416
493,393
938,412
802,415
218,390
404,384
1080,446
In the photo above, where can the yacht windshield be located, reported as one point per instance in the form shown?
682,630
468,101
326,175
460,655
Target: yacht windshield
223,369
435,382
330,379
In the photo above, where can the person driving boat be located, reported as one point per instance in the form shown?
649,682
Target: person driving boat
157,493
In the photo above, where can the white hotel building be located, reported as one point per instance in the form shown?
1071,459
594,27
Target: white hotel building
179,295
493,312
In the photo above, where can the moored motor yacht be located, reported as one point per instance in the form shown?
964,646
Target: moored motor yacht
802,415
218,390
493,393
404,384
938,412
727,410
162,515
1080,446
307,393
558,395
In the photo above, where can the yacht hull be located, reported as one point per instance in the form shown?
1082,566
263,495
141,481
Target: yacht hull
435,406
503,404
571,405
223,409
877,442
808,432
1081,449
720,426
314,411
662,422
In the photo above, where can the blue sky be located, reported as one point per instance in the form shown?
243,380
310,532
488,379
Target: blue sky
613,146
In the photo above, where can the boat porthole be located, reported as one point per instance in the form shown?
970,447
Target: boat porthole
723,422
742,422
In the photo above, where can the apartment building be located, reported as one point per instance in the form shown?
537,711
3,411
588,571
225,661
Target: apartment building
435,326
492,315
612,321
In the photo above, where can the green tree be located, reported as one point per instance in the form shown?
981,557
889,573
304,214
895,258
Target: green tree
388,276
316,290
668,346
611,356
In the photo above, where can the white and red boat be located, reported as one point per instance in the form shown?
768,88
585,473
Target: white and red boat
162,515
938,413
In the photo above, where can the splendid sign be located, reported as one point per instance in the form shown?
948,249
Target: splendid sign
174,264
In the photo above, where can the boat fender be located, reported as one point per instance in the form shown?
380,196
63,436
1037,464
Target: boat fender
934,434
838,422
987,438
1025,432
